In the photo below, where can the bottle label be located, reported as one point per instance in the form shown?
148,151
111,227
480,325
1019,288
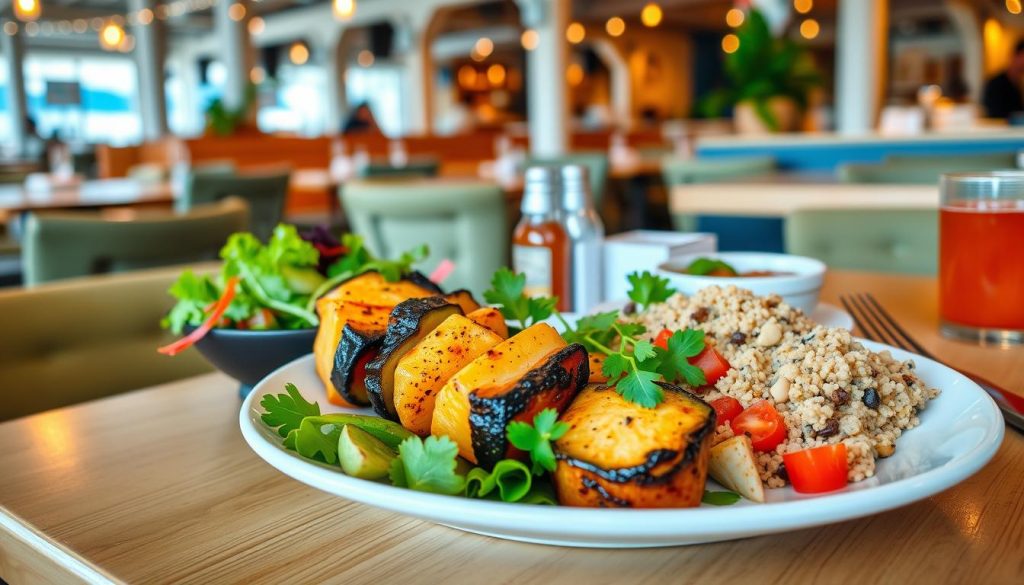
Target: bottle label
535,263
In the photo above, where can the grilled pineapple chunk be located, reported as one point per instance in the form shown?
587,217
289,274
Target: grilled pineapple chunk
620,454
426,367
500,366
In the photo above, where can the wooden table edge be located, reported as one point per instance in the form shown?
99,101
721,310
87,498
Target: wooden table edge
41,560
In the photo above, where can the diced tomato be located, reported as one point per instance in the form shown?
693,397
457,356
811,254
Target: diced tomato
711,363
726,409
821,469
261,319
662,339
763,423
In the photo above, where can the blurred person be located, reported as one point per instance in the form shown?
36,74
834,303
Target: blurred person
361,121
35,146
1002,96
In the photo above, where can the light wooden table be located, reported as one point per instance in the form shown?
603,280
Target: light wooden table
158,486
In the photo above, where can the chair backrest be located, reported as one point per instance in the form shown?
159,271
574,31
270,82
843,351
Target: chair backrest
416,168
596,164
881,240
86,338
265,193
680,171
65,245
923,170
461,221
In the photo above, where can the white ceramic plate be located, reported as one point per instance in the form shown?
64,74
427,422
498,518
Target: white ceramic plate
959,432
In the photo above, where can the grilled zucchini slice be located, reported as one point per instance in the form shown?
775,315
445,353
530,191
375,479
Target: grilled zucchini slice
410,321
620,454
422,371
501,366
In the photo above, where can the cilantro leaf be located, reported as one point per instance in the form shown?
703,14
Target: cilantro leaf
615,365
723,498
643,350
286,411
536,438
648,289
638,386
674,364
428,466
506,293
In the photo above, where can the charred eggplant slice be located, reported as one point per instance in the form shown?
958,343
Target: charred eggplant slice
551,385
358,346
410,321
619,454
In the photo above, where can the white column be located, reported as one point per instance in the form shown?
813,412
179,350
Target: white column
235,50
412,43
547,95
14,55
861,41
149,60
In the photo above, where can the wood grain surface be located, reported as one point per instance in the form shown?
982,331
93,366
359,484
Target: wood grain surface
157,486
767,196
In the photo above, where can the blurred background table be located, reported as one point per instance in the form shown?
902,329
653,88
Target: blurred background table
158,485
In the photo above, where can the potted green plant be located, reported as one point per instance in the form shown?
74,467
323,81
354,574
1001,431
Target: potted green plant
223,121
769,80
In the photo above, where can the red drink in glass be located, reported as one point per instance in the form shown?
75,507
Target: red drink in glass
981,257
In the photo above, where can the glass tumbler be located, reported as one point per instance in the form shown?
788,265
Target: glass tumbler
981,257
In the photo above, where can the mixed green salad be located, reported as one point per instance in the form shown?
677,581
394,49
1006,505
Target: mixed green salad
273,285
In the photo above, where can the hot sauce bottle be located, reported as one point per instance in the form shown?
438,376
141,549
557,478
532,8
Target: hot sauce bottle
541,248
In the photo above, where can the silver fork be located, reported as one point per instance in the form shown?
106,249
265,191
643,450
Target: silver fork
876,324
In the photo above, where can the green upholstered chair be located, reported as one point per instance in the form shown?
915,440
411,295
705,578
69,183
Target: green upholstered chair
265,193
463,221
923,170
86,338
679,171
880,240
415,168
65,245
596,164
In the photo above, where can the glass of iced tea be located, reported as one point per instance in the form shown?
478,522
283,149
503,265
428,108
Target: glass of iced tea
981,256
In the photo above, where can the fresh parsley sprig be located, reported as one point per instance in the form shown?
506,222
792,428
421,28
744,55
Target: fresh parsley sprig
428,465
648,289
286,411
536,438
506,293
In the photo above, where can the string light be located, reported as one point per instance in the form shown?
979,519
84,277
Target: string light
344,9
27,10
111,36
1013,6
529,39
365,58
256,26
651,15
236,11
730,43
483,48
145,17
298,53
10,28
735,17
257,75
467,77
574,74
809,28
496,75
615,26
803,6
575,33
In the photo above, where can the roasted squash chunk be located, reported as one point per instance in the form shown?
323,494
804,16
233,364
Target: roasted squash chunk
371,288
409,322
553,384
464,299
334,317
620,454
368,299
501,367
596,368
490,318
426,367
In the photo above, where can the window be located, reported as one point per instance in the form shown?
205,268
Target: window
88,99
381,88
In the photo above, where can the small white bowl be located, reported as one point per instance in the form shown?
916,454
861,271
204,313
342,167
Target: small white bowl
800,288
